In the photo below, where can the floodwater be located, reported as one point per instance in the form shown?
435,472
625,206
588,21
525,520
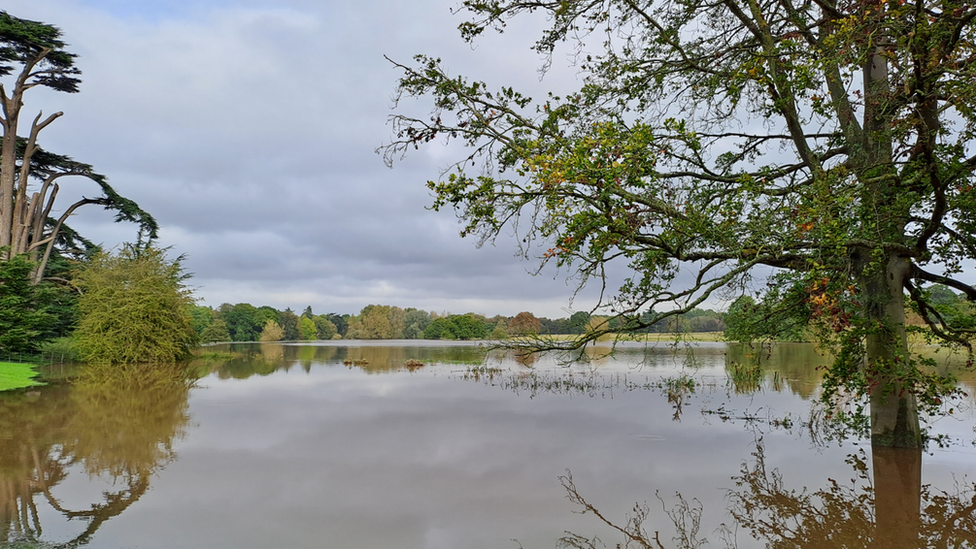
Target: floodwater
434,445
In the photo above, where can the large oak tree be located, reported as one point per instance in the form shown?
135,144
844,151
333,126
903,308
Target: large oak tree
827,142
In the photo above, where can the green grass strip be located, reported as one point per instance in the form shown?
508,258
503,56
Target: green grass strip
17,376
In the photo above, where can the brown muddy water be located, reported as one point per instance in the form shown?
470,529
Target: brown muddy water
358,445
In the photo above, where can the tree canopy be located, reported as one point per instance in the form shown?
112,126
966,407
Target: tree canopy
822,145
32,54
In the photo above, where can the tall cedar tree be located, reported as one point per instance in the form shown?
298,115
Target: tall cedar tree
32,54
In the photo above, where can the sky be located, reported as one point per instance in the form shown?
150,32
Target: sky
248,129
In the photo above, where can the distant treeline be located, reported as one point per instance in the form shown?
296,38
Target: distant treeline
245,322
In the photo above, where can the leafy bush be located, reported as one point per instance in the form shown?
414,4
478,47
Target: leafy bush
134,307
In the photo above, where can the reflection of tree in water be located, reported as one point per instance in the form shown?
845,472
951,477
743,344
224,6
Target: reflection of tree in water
117,423
896,512
267,358
794,364
381,359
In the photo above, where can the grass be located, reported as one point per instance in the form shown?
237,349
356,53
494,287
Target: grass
14,375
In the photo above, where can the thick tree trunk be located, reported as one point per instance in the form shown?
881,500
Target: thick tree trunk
894,410
8,168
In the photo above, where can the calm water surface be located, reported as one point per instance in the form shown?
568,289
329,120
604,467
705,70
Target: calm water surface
352,445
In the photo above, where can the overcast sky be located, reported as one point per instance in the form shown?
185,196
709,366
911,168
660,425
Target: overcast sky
248,129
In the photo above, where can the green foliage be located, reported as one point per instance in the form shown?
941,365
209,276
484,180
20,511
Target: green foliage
22,41
942,305
135,307
289,323
341,322
24,315
244,322
32,54
577,322
266,313
60,298
456,327
499,331
438,329
202,317
747,321
62,349
376,322
307,328
217,331
384,322
415,322
324,327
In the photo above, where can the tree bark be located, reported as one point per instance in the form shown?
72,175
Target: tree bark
894,410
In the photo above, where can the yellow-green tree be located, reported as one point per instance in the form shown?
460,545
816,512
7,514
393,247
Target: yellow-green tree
134,307
307,328
271,331
376,322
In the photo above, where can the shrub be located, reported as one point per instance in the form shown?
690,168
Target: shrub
134,307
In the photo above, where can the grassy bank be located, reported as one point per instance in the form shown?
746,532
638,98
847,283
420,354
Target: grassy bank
17,376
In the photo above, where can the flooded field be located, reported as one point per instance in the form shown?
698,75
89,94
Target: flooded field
436,445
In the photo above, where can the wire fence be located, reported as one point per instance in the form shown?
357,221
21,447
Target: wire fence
39,358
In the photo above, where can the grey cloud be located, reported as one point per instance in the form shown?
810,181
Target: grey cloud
248,129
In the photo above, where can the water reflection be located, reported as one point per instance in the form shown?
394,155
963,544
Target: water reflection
895,511
311,452
114,424
796,366
374,358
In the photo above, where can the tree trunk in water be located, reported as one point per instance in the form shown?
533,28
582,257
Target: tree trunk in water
894,410
897,497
